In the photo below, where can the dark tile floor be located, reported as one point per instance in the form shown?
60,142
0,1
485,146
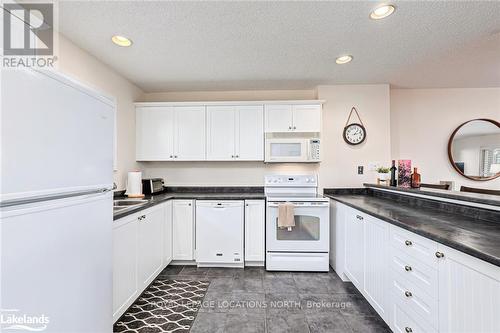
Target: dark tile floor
254,300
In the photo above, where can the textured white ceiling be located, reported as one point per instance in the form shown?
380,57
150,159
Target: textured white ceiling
290,45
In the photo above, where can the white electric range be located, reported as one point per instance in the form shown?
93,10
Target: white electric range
304,247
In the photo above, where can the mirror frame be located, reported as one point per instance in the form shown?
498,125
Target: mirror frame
450,157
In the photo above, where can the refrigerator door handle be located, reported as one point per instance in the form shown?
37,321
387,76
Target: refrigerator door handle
25,201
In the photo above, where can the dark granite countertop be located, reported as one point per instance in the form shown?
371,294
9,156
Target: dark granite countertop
212,193
485,199
468,229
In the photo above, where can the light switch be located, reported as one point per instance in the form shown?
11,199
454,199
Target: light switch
360,169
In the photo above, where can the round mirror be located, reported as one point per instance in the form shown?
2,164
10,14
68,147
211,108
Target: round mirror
474,149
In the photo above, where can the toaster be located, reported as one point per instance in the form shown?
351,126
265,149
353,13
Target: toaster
152,185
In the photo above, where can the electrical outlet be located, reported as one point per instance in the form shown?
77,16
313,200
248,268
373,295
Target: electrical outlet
360,169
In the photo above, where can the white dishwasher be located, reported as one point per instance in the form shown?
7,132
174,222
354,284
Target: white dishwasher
219,233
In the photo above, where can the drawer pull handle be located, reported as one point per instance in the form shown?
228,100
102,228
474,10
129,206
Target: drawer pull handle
359,217
408,294
439,254
408,242
408,330
408,268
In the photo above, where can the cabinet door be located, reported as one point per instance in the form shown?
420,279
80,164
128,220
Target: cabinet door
150,244
250,133
189,137
154,133
307,118
278,118
254,230
167,234
124,264
221,129
376,264
183,230
354,248
469,293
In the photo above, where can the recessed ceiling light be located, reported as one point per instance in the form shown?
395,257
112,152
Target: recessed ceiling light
382,12
343,59
121,41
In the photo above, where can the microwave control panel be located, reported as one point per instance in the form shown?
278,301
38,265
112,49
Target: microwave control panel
314,146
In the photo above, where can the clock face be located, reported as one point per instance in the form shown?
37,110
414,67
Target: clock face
354,134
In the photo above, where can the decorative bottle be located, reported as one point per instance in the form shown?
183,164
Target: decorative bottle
394,181
415,179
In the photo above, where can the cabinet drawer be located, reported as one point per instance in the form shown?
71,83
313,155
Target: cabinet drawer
411,298
402,322
419,247
422,276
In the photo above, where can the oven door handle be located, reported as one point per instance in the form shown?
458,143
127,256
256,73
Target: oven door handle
301,204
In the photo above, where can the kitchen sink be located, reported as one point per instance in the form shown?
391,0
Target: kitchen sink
129,202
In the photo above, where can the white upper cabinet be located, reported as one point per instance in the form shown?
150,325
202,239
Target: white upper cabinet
307,118
166,133
221,131
207,131
250,134
189,142
154,133
279,118
235,133
293,118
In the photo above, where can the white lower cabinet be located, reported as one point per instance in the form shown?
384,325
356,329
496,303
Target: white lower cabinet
142,247
414,283
376,264
150,254
354,247
125,249
255,238
469,293
183,229
366,257
167,234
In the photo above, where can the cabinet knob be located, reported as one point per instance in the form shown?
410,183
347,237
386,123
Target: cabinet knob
439,254
232,156
294,127
359,217
171,156
408,268
189,204
408,330
408,242
408,294
289,127
175,156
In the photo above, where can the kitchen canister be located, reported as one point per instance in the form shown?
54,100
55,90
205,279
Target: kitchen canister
134,185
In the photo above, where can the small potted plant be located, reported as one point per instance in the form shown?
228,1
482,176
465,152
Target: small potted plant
384,173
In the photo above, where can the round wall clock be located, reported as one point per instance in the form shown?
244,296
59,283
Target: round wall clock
354,133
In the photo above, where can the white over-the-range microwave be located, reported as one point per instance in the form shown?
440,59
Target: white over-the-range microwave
292,150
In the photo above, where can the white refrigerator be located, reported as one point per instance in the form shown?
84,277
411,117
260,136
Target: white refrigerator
56,205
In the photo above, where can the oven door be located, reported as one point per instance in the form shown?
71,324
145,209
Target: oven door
310,234
286,150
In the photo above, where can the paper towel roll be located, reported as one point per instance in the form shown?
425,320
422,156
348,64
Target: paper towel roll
134,183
